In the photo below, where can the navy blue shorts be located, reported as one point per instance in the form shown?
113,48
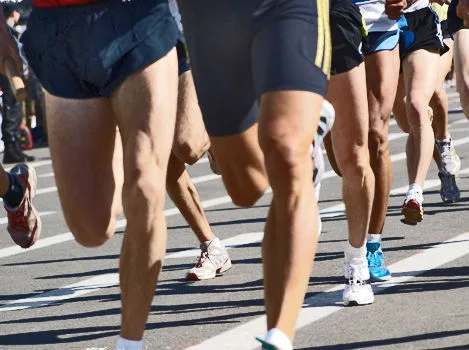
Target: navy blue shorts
87,51
240,49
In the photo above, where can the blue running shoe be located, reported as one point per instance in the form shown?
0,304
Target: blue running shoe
378,271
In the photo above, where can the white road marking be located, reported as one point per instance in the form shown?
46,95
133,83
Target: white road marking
328,302
93,284
64,237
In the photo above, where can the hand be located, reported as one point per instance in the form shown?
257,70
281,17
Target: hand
462,11
395,8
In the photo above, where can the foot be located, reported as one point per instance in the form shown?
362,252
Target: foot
357,290
378,271
450,161
412,208
214,259
449,191
24,222
275,339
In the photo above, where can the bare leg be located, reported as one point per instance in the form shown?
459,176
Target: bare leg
145,106
461,64
350,142
82,141
288,123
190,138
382,69
184,195
420,83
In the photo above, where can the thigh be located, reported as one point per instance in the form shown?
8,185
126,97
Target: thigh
382,72
445,63
420,78
82,142
347,93
145,109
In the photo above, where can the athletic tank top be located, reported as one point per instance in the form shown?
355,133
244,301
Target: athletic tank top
417,5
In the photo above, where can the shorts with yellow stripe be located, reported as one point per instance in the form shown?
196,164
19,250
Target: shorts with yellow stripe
291,47
240,49
349,36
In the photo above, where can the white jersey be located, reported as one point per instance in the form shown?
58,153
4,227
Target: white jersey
173,7
375,17
417,5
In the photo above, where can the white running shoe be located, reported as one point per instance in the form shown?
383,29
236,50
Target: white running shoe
450,161
213,259
326,121
357,290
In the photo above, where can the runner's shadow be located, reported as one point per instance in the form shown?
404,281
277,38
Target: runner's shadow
396,341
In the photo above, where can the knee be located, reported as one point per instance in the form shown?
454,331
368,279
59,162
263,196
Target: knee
378,143
285,155
246,187
355,163
190,153
94,230
418,113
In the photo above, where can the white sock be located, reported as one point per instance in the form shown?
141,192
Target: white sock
373,238
415,187
279,339
126,344
352,252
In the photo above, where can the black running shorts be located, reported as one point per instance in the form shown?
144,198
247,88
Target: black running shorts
420,30
348,35
240,49
87,51
454,22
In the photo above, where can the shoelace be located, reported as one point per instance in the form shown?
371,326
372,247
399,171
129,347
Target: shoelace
374,259
201,259
445,150
355,279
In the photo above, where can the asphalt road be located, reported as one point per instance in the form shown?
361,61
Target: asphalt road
59,295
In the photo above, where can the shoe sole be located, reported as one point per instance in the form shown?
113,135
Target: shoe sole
356,303
412,216
381,279
225,267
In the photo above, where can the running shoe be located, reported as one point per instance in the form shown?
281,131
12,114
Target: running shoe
450,161
357,289
378,271
213,259
449,191
275,339
326,121
266,345
412,208
24,222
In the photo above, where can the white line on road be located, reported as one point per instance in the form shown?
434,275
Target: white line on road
328,302
92,284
